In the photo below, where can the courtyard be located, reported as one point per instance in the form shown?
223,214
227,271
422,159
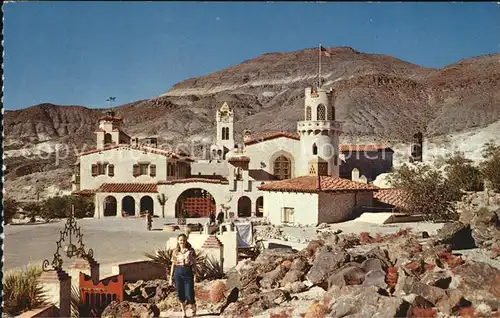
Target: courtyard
112,240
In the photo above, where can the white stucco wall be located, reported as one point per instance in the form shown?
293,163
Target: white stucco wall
305,206
123,160
99,200
267,151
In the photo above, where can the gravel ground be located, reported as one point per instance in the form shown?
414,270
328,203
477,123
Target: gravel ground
112,240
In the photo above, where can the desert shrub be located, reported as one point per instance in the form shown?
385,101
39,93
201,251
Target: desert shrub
84,206
491,166
10,208
33,209
56,207
462,174
22,291
429,192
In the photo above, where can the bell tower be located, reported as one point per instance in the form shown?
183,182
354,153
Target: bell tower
225,134
319,133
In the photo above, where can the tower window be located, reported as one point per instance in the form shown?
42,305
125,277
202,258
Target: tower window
108,139
225,133
332,115
315,149
308,113
321,112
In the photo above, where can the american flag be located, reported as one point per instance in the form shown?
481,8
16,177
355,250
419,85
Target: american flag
324,51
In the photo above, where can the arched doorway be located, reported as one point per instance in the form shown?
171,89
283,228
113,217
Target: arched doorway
244,207
282,168
128,205
259,206
195,202
110,206
146,204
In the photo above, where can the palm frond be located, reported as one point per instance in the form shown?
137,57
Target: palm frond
22,291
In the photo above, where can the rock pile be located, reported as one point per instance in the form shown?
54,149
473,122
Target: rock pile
151,291
130,309
394,275
478,226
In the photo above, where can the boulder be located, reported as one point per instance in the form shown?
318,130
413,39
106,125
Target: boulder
361,301
325,263
271,279
292,276
457,234
129,309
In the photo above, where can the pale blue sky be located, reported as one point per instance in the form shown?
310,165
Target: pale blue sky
79,53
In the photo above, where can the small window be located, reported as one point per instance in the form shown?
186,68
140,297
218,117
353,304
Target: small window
315,149
111,170
102,168
321,112
143,169
152,170
288,215
94,170
135,171
308,113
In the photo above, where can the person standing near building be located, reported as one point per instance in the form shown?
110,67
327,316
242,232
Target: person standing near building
220,217
149,218
183,273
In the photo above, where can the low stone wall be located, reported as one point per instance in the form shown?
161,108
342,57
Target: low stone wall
47,311
139,270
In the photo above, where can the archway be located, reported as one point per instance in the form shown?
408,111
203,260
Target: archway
195,202
128,205
244,207
282,168
108,139
146,204
110,206
259,206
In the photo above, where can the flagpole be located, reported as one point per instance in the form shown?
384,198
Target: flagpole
319,67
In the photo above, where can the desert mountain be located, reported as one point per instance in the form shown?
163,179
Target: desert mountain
378,96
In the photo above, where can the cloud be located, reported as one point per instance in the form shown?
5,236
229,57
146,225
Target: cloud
217,18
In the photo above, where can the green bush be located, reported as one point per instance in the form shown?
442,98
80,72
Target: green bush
462,174
429,192
22,291
33,209
491,166
60,207
10,208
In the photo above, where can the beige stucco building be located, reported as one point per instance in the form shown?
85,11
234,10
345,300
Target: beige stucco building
127,177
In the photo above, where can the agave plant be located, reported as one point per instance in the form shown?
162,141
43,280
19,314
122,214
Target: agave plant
22,291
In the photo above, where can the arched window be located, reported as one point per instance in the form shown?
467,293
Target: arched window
332,115
315,149
282,168
223,133
321,112
308,113
227,133
108,139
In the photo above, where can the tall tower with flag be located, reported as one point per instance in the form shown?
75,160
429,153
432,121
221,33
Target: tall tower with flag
319,131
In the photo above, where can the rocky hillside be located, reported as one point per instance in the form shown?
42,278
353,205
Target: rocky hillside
379,98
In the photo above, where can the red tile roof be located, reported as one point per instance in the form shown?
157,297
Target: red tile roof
212,242
189,180
153,150
309,184
128,187
270,136
240,158
392,196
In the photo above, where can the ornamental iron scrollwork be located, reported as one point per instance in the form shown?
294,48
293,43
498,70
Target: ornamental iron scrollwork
71,250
